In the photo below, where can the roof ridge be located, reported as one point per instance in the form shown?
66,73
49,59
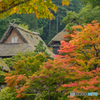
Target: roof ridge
16,26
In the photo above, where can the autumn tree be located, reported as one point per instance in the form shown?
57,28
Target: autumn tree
82,55
39,7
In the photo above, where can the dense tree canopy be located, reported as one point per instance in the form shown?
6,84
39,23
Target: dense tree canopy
84,16
39,7
93,2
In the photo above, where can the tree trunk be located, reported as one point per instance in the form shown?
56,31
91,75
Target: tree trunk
57,18
49,26
49,92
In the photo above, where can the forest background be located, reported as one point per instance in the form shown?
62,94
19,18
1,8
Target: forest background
46,27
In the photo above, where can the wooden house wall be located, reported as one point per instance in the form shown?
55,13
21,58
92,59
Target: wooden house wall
13,34
55,50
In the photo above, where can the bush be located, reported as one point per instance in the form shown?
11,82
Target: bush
7,94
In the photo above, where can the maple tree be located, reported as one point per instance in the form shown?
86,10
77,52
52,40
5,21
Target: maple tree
82,54
39,7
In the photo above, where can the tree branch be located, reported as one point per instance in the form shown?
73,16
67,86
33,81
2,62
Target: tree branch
2,11
84,54
95,48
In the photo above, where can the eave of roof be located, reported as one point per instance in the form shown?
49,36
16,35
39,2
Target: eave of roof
13,49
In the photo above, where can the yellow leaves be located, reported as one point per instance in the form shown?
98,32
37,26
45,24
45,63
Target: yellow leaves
93,61
54,8
82,63
65,2
14,10
33,6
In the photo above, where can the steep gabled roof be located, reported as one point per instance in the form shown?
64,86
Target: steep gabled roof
30,39
25,35
58,37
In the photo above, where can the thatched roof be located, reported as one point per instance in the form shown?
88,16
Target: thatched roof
12,49
58,37
4,66
30,39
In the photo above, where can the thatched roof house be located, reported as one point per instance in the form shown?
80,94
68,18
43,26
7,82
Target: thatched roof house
55,42
17,39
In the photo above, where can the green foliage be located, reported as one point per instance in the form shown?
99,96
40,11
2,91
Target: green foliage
93,2
10,61
7,94
2,76
24,26
89,14
29,65
29,20
72,19
4,23
44,96
29,97
41,48
86,15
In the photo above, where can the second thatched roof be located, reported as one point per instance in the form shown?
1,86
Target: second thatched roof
58,37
